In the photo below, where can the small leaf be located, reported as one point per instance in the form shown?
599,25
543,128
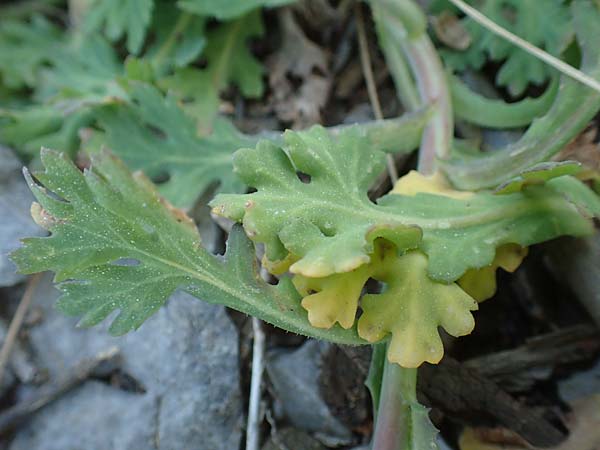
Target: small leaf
116,245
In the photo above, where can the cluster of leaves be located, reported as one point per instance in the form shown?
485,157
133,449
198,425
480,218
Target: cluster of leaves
551,29
115,244
418,240
57,82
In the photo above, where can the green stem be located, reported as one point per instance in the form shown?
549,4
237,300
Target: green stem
398,389
403,37
401,422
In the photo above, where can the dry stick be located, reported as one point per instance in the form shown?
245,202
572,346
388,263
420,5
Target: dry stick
526,46
365,60
258,367
17,321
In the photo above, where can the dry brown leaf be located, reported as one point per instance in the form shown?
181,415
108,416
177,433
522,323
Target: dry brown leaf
584,148
299,76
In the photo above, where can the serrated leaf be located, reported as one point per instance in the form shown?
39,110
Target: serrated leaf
227,9
152,133
549,27
24,48
118,18
115,244
329,224
228,62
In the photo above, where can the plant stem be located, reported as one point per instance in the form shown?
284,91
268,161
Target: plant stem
402,25
398,388
401,422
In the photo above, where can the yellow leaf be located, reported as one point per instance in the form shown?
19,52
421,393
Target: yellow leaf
411,307
416,183
481,283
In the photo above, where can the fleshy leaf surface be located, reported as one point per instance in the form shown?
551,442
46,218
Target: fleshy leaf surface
152,133
115,244
481,283
329,224
411,307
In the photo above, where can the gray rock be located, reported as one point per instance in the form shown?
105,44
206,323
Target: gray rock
185,357
15,221
295,378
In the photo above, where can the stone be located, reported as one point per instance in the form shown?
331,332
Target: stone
295,378
184,359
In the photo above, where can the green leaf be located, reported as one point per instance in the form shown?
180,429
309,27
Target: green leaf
29,129
538,174
574,107
227,9
228,61
178,38
328,225
548,27
24,48
152,133
115,244
118,18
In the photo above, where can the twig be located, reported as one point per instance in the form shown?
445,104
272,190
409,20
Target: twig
258,367
365,60
17,321
526,46
100,365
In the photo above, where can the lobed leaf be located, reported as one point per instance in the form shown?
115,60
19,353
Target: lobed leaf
116,245
118,18
328,224
228,61
152,133
552,31
410,308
